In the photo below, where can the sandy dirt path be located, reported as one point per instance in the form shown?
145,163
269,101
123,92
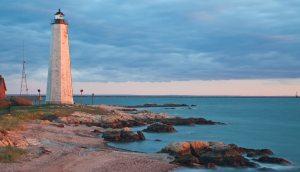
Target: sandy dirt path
80,149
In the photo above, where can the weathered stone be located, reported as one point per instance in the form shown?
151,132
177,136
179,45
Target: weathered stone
177,148
211,166
197,146
141,135
273,160
60,125
119,135
159,128
187,159
96,131
89,125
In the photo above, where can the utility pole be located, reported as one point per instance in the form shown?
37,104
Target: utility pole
81,95
92,98
39,95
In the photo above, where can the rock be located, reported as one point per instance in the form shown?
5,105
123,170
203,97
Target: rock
119,135
266,169
233,146
255,152
187,121
227,161
159,128
96,131
22,144
141,135
1,144
197,146
211,166
209,152
88,125
266,151
177,148
187,159
45,150
273,160
75,125
157,140
60,125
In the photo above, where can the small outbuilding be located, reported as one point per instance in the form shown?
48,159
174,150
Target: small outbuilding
2,87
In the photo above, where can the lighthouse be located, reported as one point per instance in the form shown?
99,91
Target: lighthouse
59,82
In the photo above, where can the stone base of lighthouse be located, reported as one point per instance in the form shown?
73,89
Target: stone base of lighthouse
59,83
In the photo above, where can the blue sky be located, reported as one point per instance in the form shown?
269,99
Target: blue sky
155,41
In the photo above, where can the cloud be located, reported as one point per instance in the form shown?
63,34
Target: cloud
156,41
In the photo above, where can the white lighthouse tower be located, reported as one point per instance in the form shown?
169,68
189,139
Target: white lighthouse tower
59,83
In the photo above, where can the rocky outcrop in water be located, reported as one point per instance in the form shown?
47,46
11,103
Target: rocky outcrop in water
159,128
273,160
121,135
213,153
130,119
156,105
141,135
188,121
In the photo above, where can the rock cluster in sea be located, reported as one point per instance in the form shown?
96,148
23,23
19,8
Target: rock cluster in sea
122,135
118,119
159,128
212,154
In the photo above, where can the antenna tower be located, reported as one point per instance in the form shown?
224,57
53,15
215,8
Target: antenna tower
23,81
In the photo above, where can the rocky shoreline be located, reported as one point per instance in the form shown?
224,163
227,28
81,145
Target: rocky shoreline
59,140
118,119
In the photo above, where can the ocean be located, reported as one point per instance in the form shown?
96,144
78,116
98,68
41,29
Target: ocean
257,123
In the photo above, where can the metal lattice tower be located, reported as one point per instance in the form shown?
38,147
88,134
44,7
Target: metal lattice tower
24,88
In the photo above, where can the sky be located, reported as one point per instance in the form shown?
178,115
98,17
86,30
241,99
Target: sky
158,47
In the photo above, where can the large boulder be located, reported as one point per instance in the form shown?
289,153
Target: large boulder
159,128
120,135
273,160
177,148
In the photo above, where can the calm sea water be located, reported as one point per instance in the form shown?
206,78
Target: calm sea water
256,123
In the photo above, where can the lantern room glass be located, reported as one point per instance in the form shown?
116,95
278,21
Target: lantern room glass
58,16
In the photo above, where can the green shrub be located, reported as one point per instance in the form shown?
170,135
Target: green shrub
11,154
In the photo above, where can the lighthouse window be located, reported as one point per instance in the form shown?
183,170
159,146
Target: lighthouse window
59,16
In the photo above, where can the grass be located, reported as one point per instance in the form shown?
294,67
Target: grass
11,125
22,114
50,110
11,154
